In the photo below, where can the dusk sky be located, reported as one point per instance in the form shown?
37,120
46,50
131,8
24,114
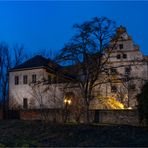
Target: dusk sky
48,25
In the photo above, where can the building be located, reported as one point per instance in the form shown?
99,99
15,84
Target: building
128,71
39,82
33,84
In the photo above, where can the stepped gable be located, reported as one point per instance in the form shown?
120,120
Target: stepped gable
121,34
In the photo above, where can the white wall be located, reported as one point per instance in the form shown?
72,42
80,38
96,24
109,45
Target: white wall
45,93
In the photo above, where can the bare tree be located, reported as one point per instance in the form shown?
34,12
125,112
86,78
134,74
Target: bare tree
5,64
8,60
19,55
89,51
46,95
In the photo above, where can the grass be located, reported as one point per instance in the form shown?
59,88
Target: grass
31,134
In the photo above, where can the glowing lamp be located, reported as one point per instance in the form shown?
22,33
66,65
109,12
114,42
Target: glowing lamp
67,101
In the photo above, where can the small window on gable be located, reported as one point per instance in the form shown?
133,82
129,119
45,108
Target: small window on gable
34,78
133,86
118,56
25,79
113,89
120,46
113,71
16,80
127,70
124,56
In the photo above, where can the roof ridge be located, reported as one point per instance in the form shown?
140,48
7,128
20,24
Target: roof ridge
36,61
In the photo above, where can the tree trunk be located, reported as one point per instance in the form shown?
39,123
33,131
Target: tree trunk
87,113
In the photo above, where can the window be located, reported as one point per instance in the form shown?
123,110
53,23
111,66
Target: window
118,56
33,78
16,79
49,78
133,86
55,79
124,56
126,79
113,89
25,79
113,71
25,103
121,46
115,47
127,70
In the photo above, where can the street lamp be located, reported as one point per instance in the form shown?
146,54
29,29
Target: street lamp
67,103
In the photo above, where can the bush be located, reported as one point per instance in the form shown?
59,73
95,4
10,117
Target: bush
106,103
142,107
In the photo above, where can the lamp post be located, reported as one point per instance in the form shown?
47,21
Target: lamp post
67,103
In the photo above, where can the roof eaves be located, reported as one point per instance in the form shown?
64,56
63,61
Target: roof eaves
22,69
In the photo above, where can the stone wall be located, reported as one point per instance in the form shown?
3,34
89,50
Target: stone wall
129,117
117,116
53,115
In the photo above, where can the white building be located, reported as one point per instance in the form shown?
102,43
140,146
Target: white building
33,84
28,86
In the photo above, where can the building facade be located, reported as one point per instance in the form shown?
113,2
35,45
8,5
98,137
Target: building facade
39,83
128,71
33,85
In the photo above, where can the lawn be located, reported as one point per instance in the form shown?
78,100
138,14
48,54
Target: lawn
35,133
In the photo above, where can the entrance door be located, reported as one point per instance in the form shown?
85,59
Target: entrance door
25,103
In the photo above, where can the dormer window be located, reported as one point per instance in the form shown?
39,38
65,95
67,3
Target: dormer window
120,46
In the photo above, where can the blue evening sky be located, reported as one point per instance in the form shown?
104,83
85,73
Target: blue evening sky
48,25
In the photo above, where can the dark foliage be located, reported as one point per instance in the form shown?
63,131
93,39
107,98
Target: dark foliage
34,134
142,99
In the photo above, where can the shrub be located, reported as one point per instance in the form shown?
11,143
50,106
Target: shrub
142,107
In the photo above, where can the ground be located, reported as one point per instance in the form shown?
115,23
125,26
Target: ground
35,133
